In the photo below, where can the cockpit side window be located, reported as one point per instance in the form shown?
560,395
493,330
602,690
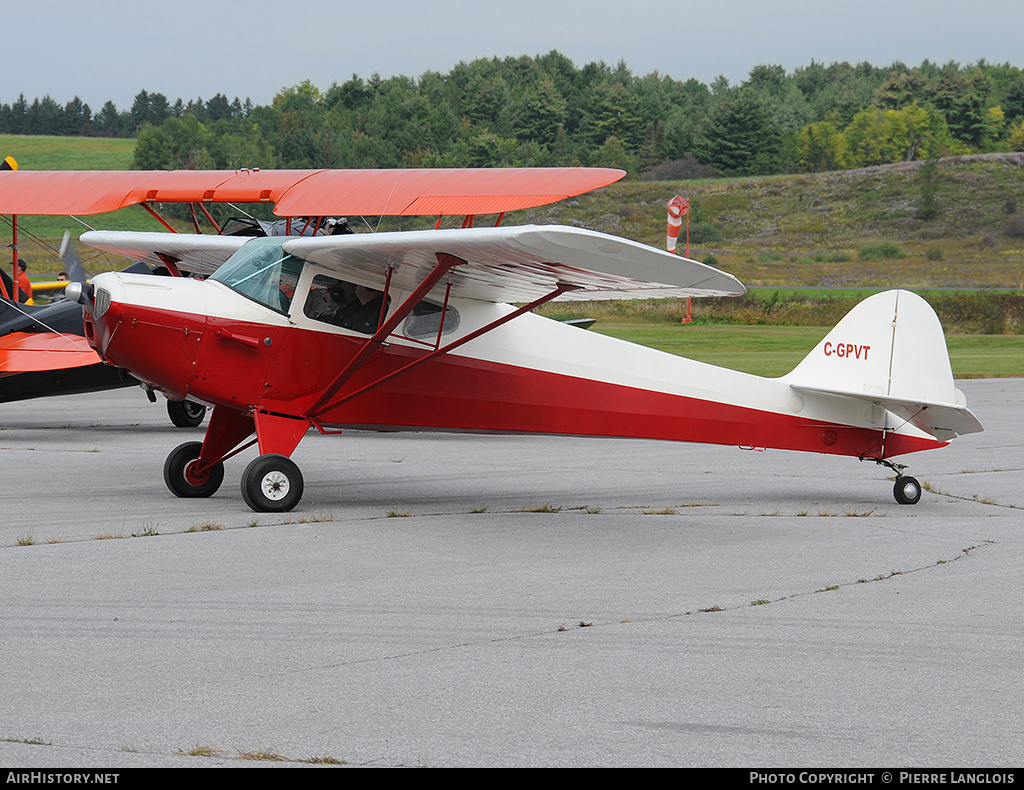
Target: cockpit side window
262,271
328,299
425,319
345,304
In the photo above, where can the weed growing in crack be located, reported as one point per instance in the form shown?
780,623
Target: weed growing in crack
200,750
545,508
268,755
206,526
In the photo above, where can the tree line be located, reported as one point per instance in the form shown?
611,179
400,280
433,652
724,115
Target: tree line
544,111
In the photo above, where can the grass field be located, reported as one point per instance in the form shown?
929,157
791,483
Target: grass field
774,351
40,152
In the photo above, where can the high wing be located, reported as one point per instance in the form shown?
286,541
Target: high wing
409,192
200,254
517,264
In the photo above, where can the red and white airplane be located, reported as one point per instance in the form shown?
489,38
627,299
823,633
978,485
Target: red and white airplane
417,330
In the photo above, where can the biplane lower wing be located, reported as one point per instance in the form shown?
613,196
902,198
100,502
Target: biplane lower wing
44,364
24,352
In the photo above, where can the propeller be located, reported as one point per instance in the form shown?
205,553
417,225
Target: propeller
78,290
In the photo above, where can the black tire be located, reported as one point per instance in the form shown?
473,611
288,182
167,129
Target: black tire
181,482
186,413
907,490
272,484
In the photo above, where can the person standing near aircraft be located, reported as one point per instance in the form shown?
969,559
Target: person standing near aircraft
24,284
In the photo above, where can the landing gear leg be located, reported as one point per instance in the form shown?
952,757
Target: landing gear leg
906,490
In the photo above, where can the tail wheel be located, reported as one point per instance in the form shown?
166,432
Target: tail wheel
186,413
907,490
272,484
180,472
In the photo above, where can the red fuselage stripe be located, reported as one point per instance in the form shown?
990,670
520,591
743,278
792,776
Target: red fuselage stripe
451,392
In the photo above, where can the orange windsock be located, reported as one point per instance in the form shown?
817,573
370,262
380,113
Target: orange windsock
677,207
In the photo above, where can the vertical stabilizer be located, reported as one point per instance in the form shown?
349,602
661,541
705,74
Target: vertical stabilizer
890,350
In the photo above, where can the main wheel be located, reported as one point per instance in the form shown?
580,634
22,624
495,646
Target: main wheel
272,484
180,476
907,490
186,413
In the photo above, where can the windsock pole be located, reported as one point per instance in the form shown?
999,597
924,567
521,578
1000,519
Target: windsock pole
678,207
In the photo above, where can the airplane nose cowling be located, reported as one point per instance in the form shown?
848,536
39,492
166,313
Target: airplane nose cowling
150,326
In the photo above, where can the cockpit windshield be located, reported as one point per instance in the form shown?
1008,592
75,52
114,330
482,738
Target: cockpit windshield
263,271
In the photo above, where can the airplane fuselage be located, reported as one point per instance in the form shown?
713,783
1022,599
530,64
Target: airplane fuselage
531,375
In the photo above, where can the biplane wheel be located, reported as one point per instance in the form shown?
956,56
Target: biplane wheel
272,484
907,490
179,477
186,413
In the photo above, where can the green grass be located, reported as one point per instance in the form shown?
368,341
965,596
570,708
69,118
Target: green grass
40,152
986,356
776,350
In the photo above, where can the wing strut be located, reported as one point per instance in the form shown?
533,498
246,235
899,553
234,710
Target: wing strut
320,408
445,263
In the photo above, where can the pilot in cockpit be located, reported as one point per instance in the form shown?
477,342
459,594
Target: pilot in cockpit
363,315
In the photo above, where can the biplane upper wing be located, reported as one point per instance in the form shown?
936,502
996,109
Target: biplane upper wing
518,264
409,192
200,254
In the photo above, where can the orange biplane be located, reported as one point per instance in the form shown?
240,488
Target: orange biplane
420,330
42,352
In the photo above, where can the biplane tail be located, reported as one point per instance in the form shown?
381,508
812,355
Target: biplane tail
890,351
